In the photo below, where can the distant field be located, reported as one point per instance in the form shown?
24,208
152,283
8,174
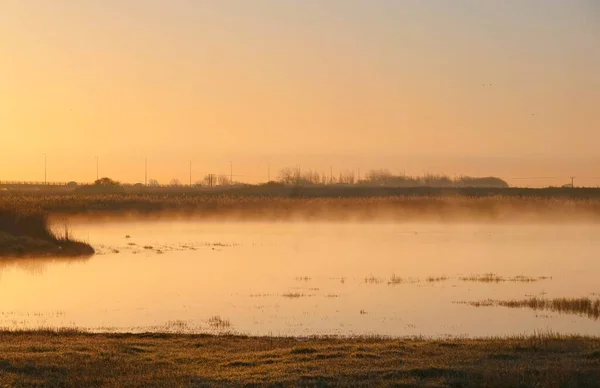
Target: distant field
308,205
72,359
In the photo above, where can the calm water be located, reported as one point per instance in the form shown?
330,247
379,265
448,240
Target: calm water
306,278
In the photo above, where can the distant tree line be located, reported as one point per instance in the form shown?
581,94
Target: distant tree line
383,177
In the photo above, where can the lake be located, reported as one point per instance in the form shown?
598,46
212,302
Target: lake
308,278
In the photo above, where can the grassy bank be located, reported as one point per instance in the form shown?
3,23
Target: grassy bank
26,232
247,207
76,359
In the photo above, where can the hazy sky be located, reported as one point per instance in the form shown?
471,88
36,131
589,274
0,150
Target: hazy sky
505,87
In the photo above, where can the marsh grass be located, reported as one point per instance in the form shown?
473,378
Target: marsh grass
432,279
493,278
372,280
216,322
26,232
229,205
584,307
395,280
295,295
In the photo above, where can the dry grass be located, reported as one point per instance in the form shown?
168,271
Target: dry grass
72,359
577,306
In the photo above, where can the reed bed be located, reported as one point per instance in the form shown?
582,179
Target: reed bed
224,206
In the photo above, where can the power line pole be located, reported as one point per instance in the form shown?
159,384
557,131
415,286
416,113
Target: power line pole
45,169
330,175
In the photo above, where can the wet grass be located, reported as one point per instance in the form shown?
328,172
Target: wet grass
585,307
75,359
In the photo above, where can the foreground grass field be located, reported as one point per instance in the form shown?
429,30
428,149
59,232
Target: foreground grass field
170,360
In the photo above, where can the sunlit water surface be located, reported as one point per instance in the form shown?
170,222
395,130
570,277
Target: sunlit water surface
306,279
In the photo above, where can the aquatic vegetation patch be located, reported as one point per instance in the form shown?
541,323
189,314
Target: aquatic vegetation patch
372,280
432,279
584,307
493,278
295,295
216,322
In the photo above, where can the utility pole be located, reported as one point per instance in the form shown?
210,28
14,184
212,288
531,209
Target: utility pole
330,175
45,169
230,172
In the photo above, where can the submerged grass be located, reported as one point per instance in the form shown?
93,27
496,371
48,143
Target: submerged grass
372,280
493,278
577,306
76,359
433,279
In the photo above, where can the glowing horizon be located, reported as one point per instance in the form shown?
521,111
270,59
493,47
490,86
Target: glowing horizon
474,88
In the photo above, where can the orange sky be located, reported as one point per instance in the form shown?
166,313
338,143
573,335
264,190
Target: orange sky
506,88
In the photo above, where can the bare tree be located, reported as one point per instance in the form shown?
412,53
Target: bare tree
223,180
209,180
289,176
153,183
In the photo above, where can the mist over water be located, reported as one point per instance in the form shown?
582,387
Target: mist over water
307,278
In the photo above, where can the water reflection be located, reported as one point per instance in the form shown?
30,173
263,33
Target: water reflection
37,266
308,278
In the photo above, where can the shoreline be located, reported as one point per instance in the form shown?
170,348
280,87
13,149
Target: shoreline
73,358
26,232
